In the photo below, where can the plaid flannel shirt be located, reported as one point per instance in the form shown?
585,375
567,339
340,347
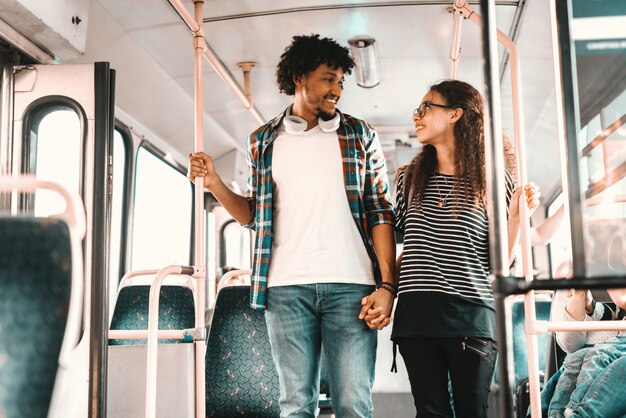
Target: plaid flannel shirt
365,179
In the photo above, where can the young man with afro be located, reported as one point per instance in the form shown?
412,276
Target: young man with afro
317,197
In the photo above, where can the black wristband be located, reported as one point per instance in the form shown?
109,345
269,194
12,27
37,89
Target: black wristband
389,289
394,286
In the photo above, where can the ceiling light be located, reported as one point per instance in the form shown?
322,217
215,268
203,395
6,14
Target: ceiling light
363,49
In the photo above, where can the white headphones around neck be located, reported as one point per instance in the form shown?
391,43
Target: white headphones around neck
295,125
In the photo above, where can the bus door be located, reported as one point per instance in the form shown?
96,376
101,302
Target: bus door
58,125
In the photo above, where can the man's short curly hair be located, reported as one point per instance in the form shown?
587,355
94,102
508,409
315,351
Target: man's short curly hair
305,54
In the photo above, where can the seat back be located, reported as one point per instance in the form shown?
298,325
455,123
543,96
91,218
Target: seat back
240,376
35,289
520,354
176,311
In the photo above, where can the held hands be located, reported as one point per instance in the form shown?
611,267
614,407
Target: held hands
532,194
201,165
376,310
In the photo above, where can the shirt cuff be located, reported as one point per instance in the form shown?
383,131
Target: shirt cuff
381,218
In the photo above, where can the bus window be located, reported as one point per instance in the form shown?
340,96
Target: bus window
601,90
162,214
614,116
594,169
54,150
610,203
117,237
559,247
236,248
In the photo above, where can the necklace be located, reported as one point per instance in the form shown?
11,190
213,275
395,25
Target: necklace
442,200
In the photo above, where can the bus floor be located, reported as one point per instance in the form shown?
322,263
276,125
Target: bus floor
401,405
388,405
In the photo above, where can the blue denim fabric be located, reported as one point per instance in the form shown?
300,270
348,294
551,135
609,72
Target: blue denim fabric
547,393
302,317
566,382
584,373
603,395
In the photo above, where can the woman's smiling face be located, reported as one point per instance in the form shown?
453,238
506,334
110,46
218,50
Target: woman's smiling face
432,127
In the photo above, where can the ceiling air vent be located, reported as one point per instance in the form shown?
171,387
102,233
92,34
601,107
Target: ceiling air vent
59,29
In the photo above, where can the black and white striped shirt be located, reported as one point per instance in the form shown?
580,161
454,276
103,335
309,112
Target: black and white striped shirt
445,259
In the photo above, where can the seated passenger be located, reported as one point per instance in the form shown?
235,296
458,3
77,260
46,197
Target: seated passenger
588,384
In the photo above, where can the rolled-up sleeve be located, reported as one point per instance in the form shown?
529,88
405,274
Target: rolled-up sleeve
572,341
378,206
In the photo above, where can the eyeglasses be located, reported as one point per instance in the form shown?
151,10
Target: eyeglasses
421,110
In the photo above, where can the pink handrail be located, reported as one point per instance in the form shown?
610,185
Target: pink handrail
124,334
232,275
199,44
462,8
216,63
199,268
153,334
74,212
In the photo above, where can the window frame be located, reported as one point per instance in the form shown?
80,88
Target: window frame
161,155
34,113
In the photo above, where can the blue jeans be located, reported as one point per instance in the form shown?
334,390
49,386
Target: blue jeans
603,395
566,383
547,393
584,373
302,317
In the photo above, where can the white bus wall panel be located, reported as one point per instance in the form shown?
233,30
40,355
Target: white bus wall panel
232,167
56,26
126,382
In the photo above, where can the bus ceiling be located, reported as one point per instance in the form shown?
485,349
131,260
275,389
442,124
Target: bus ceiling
54,33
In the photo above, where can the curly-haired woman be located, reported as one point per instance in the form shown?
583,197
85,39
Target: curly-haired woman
444,322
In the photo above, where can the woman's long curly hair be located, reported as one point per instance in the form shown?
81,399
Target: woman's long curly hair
469,150
304,55
510,158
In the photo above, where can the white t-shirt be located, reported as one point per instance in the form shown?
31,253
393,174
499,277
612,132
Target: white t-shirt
316,239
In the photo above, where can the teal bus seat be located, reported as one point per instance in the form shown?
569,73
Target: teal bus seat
241,380
35,289
517,338
176,311
520,355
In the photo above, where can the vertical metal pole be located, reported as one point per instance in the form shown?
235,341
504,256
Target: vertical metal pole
493,147
153,335
6,131
98,342
495,186
199,251
568,113
455,48
527,261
